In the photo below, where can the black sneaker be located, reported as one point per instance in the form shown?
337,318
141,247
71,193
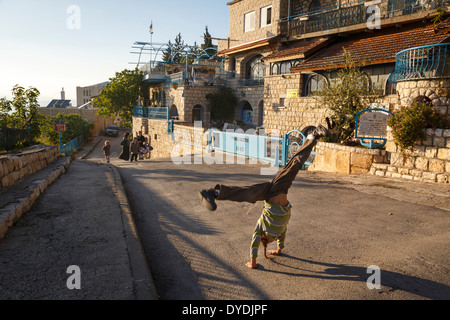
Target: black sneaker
207,198
321,132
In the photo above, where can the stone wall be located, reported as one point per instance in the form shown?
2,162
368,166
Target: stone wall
429,161
438,91
162,142
285,114
17,166
332,157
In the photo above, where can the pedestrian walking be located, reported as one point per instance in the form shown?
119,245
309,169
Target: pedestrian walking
272,225
125,155
107,151
135,149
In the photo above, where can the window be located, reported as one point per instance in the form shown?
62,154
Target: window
315,83
249,21
285,67
255,68
266,16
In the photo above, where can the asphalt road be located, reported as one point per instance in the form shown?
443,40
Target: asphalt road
341,226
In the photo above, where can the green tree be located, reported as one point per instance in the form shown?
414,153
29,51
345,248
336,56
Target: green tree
175,51
120,96
21,113
222,103
75,126
207,46
349,94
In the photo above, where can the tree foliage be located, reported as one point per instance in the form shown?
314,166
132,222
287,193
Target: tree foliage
345,97
174,52
222,103
21,113
408,123
76,126
120,95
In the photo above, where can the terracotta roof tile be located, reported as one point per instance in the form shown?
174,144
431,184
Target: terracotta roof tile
250,45
303,50
378,47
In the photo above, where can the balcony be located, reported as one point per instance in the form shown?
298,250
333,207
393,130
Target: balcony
353,14
426,62
161,113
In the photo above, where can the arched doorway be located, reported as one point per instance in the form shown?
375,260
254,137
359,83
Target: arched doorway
245,113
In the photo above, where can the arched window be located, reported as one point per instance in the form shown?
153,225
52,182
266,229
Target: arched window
285,67
275,69
255,68
390,88
364,79
315,83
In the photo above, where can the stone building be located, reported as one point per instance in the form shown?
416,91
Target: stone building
280,51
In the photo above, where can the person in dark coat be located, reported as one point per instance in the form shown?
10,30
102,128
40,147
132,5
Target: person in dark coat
125,155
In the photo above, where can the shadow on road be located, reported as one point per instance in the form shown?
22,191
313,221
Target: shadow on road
395,281
170,233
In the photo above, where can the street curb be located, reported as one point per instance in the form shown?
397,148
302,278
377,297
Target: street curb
91,149
144,284
13,212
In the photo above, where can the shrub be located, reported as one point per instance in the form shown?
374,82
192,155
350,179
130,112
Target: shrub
408,123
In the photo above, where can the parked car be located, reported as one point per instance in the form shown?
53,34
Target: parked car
112,131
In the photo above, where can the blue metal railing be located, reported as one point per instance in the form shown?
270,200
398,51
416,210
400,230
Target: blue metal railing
151,113
158,113
69,147
426,62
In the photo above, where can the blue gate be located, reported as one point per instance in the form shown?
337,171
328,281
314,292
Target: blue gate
259,147
276,150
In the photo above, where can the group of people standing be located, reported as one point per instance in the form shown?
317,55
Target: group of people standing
131,149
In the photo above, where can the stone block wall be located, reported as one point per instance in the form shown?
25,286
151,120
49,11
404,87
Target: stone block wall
429,161
438,91
161,141
15,167
285,114
332,157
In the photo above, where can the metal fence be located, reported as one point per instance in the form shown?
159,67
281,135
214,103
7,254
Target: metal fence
426,62
151,113
352,13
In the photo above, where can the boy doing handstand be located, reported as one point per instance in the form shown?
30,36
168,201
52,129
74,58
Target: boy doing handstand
272,225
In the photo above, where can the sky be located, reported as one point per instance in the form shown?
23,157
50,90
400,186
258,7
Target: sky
55,44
